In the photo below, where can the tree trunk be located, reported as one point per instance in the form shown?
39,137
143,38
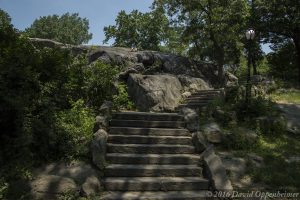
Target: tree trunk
221,71
254,66
297,45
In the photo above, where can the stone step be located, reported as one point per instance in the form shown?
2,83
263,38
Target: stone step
208,92
155,183
147,124
173,195
162,159
120,170
147,116
141,139
193,105
150,148
148,131
204,95
198,100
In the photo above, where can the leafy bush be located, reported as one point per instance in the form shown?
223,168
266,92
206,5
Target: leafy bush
99,83
121,100
73,130
236,139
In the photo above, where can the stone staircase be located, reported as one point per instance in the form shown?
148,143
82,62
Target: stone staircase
151,156
202,98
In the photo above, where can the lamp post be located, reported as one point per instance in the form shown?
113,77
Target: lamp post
250,34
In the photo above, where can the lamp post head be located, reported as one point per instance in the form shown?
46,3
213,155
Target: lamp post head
250,34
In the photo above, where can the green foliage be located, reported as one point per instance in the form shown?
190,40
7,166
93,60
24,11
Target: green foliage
99,85
236,139
73,130
280,25
286,96
283,62
67,28
46,96
212,29
121,100
275,149
136,29
257,107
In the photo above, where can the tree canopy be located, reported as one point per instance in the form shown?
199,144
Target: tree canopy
279,22
212,29
136,29
67,28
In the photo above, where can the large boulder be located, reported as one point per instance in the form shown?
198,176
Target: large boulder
215,170
154,92
191,118
213,133
143,62
98,148
192,84
91,186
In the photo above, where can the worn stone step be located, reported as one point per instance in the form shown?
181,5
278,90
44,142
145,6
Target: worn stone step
147,124
191,105
150,148
147,116
141,139
155,183
201,97
120,170
198,100
148,131
162,159
208,92
173,195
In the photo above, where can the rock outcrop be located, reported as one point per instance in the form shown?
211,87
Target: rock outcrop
153,69
154,92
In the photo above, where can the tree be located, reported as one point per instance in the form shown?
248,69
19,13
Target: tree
68,28
279,21
283,62
136,29
213,29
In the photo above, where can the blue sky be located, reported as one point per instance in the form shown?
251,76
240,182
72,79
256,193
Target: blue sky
99,12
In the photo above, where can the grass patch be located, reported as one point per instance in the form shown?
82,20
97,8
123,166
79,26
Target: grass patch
276,172
286,96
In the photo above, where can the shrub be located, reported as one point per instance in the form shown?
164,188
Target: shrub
73,130
121,100
99,83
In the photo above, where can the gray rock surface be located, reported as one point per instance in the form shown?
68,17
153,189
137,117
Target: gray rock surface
51,186
77,170
149,62
191,118
98,148
199,141
213,133
192,84
250,135
154,92
91,186
215,170
101,122
106,108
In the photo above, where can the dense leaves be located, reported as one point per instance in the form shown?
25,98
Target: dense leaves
67,28
212,29
279,22
140,30
47,103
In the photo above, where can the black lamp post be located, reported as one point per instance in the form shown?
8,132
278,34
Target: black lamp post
250,34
